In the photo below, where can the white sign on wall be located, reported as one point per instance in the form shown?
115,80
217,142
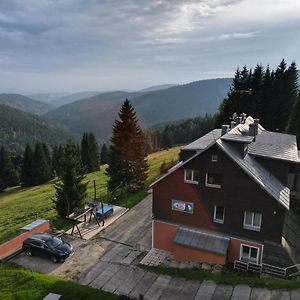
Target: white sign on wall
183,206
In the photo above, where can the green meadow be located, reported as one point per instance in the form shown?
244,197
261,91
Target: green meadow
20,206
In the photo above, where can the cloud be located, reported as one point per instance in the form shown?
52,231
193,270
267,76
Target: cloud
90,42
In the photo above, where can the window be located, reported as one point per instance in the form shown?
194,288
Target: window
248,253
219,212
214,158
252,220
191,176
213,180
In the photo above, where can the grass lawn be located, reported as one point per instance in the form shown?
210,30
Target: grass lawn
20,206
231,278
18,283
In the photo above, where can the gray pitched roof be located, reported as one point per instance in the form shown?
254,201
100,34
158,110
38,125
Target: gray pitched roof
275,145
260,175
267,144
237,138
205,141
201,239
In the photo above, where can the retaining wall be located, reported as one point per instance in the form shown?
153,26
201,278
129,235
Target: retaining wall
15,244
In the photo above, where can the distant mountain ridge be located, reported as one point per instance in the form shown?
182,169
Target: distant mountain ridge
97,113
17,128
156,88
25,103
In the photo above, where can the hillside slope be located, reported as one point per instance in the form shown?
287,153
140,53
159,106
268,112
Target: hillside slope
25,104
181,102
18,128
98,113
93,114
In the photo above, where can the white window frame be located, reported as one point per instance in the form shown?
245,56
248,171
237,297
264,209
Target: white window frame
217,186
219,221
214,157
252,226
190,181
249,259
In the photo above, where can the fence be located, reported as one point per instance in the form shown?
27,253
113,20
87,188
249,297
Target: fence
289,272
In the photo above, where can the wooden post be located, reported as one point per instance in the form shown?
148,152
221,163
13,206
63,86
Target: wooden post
102,207
126,195
95,191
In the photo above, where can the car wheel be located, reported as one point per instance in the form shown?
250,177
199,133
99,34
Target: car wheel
28,252
54,259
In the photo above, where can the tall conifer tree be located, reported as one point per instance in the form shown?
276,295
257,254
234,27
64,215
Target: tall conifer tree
41,167
70,190
8,174
127,156
27,167
104,154
90,152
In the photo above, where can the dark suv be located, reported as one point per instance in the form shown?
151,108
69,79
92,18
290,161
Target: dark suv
45,244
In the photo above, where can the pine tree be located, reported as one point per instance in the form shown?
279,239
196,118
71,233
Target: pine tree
294,120
127,157
48,160
104,154
41,168
57,156
27,173
85,151
70,190
94,161
8,173
90,152
267,95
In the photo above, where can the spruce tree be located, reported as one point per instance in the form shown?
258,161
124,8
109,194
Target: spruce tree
267,95
127,156
41,167
57,156
85,153
90,152
94,162
294,120
48,160
8,173
27,173
70,190
104,155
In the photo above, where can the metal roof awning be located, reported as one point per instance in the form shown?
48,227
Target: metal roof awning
202,240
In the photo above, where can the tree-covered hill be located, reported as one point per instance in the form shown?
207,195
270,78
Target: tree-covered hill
24,103
98,113
17,128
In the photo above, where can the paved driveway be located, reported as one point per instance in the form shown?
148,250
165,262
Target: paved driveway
108,263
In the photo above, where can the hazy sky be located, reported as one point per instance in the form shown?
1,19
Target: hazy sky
73,45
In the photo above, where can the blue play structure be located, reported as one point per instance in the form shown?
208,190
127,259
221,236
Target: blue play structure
104,212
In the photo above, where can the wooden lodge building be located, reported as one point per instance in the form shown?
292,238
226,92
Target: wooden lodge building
227,197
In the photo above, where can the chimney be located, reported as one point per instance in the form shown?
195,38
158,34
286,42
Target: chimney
225,129
256,122
243,116
252,129
238,120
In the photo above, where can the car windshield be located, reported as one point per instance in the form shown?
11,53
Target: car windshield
54,242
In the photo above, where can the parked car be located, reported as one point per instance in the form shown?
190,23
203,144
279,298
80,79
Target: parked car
45,244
